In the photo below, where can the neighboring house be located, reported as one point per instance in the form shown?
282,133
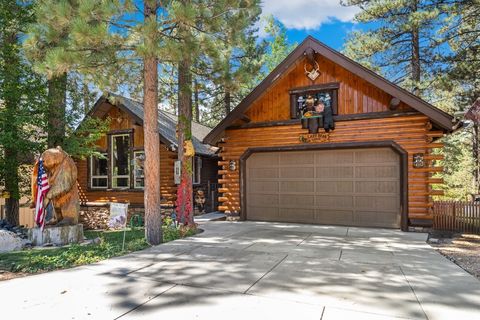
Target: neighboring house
376,168
118,176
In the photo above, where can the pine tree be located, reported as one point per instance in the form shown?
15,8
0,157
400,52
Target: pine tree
401,44
22,96
277,44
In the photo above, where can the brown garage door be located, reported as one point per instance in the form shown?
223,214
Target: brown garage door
357,187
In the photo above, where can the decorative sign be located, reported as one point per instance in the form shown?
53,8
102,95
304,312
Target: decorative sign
418,160
177,171
315,137
232,165
118,215
314,73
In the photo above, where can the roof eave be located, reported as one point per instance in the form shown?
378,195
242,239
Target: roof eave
440,118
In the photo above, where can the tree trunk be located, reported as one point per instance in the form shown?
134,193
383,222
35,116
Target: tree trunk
11,100
184,191
11,182
196,101
153,217
476,170
227,101
57,92
416,69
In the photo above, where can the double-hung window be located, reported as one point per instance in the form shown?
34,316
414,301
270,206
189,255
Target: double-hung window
99,171
120,160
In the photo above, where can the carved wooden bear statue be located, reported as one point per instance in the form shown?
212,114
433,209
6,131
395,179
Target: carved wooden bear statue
62,177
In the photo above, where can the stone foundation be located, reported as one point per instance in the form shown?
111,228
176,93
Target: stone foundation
56,235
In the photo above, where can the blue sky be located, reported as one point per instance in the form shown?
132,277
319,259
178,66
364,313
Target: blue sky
326,20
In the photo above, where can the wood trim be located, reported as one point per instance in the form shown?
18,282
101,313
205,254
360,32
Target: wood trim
316,87
121,131
346,117
109,161
333,146
130,164
441,118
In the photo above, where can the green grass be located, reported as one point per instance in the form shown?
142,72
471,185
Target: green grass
31,261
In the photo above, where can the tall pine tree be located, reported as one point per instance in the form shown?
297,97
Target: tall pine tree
22,97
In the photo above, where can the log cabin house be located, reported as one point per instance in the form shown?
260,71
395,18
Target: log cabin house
324,140
118,176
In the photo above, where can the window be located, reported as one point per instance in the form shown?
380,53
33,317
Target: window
311,101
138,173
120,152
197,170
99,172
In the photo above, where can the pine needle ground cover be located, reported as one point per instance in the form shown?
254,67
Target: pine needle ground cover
48,259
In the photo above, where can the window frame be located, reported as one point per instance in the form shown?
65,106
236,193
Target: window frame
135,171
111,138
92,176
197,170
332,88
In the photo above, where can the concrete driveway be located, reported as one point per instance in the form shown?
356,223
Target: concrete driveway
250,270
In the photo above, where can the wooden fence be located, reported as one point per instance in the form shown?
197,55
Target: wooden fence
26,215
457,216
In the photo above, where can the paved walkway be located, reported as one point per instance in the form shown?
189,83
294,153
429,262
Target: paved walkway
251,270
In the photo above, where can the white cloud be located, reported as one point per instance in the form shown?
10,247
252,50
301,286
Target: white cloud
307,14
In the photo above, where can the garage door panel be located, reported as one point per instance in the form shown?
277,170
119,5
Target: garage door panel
377,187
296,215
265,160
263,173
296,201
334,187
296,172
390,171
343,157
297,186
296,158
375,156
263,199
359,187
333,172
263,186
376,219
343,217
331,201
263,213
377,203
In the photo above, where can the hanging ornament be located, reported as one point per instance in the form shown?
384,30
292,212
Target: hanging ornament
314,73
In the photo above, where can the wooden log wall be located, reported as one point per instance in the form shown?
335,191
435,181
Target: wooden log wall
413,133
122,121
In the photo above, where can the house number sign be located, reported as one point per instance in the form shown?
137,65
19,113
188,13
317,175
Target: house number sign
315,137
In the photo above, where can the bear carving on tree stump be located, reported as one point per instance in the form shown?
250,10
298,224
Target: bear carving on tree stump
63,192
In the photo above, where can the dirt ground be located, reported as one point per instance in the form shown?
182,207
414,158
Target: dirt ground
463,249
6,275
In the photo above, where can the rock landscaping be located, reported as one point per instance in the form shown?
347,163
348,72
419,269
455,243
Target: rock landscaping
462,249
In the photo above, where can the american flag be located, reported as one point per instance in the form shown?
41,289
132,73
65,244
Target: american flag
42,189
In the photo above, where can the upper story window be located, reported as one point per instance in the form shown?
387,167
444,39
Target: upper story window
99,172
312,101
120,160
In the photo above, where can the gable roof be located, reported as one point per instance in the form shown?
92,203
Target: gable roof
167,122
442,119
